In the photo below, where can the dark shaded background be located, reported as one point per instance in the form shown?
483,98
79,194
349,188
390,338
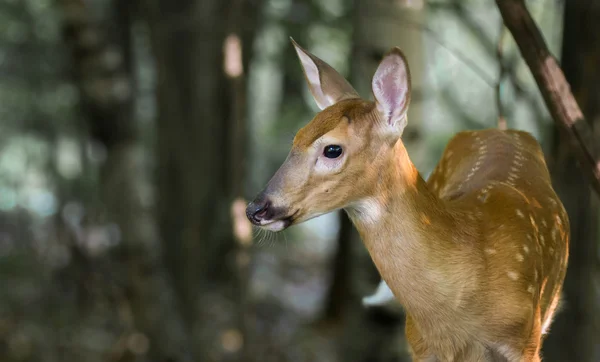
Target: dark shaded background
132,132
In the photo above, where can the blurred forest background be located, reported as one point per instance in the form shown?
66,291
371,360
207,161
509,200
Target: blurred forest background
134,131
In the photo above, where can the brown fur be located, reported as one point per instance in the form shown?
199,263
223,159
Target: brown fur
347,110
476,255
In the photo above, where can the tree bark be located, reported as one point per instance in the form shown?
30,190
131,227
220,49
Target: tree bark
199,171
554,87
339,291
101,65
576,329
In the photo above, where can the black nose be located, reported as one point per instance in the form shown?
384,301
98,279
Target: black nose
259,209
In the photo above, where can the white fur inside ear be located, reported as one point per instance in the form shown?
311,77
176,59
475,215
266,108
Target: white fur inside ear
312,76
391,88
382,296
325,83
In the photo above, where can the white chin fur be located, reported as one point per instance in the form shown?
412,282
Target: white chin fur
274,226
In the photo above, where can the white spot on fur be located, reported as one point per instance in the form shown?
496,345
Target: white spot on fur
477,165
483,196
512,275
520,213
558,220
520,257
526,249
490,251
530,289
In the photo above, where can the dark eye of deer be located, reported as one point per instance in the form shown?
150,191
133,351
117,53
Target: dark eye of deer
332,151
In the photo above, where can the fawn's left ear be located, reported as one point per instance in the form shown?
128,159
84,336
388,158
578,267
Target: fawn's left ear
325,83
391,88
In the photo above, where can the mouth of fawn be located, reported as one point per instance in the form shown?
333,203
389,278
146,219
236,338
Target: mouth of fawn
476,254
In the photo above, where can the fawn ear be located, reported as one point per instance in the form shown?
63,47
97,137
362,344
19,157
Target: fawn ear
325,83
391,88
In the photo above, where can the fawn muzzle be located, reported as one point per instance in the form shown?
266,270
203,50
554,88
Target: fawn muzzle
275,208
261,212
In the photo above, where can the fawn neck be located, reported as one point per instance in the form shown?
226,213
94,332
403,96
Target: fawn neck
421,247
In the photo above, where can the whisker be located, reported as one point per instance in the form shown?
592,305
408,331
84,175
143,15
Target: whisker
272,239
263,237
285,241
260,236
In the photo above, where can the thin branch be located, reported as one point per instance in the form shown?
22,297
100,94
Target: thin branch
509,67
509,64
501,75
553,85
482,74
471,24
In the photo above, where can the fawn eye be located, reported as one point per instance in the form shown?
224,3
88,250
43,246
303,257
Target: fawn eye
332,151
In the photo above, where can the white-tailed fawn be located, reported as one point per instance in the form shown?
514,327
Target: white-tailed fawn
476,255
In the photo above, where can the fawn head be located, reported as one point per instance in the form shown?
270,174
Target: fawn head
333,159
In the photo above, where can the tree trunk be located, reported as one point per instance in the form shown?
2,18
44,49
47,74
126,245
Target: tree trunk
101,63
575,331
199,151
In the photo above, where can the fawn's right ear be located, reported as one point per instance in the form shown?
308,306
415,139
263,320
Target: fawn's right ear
325,83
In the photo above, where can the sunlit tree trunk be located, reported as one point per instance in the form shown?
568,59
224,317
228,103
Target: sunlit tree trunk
574,335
